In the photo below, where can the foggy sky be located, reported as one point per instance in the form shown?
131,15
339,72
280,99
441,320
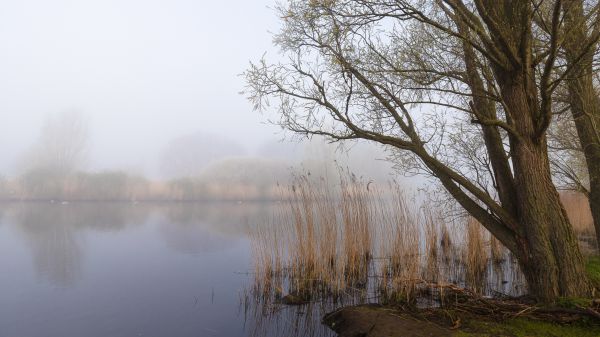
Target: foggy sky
142,71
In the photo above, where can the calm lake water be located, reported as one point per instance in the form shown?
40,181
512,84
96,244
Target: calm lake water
102,269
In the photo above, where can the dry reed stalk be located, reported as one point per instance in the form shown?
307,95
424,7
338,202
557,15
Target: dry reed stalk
497,250
476,256
401,247
267,253
579,213
430,271
445,242
325,242
356,228
316,250
302,245
327,231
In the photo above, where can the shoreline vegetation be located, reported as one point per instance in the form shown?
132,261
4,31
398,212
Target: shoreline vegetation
370,251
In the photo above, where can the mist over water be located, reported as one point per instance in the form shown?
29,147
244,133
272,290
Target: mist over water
132,170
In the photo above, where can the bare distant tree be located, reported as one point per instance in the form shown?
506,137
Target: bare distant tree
462,90
62,145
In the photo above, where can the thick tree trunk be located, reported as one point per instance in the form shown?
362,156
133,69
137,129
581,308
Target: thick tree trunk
550,255
594,199
585,107
584,102
548,250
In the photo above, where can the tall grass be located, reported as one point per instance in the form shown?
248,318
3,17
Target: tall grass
579,213
476,256
331,240
400,273
356,228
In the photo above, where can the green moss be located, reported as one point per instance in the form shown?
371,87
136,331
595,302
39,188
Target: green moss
593,269
481,328
574,302
526,328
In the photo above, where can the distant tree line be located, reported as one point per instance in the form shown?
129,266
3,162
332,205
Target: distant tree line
231,179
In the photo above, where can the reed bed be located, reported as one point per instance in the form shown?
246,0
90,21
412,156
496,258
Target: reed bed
578,211
353,238
476,256
400,272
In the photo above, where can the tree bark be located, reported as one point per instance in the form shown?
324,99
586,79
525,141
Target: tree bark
549,251
584,101
550,255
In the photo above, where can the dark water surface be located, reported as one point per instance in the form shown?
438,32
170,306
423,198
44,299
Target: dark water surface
102,269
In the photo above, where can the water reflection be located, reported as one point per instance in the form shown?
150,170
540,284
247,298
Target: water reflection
194,239
124,269
274,320
226,217
197,228
55,233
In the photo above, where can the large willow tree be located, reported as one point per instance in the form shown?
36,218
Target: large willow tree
462,90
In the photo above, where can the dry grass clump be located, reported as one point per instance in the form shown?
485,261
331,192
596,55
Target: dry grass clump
445,242
578,210
323,242
431,271
303,245
328,233
401,271
356,227
476,256
268,257
579,213
370,241
497,250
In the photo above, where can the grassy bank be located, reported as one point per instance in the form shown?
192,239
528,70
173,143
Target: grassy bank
521,327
